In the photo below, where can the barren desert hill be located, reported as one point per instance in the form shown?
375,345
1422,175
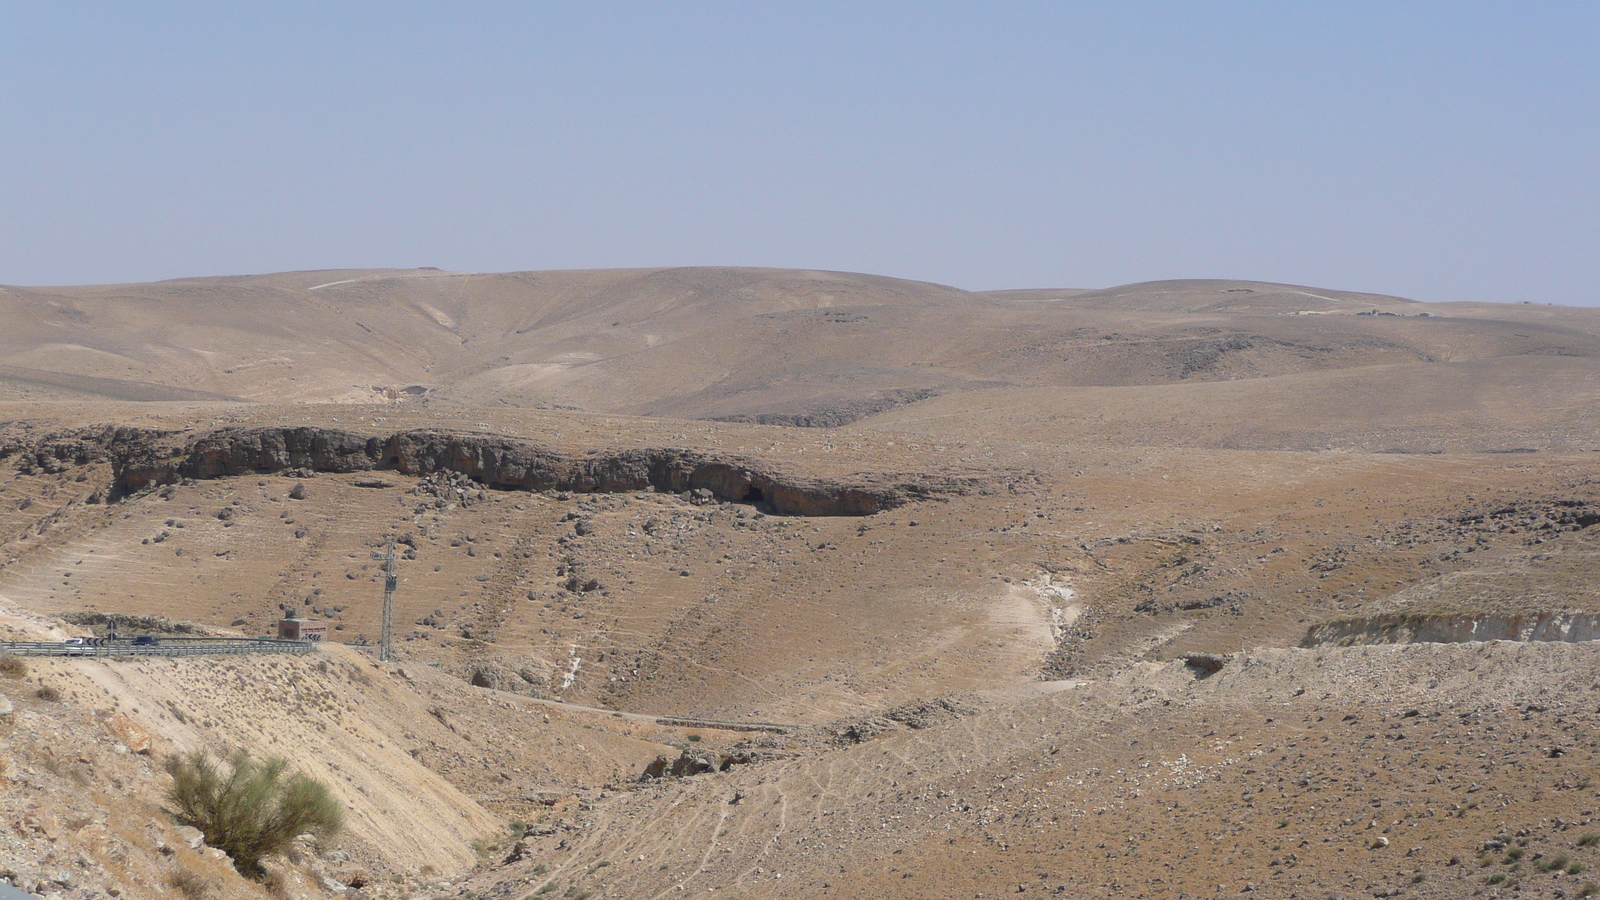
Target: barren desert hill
772,346
1218,295
1176,588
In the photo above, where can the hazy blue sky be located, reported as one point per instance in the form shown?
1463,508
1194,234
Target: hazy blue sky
1435,150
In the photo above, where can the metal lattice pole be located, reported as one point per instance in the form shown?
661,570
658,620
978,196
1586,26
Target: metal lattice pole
390,582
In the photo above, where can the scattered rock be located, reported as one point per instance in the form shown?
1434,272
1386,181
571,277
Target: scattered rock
694,762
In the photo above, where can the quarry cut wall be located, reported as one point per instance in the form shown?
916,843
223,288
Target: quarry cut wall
142,459
1447,629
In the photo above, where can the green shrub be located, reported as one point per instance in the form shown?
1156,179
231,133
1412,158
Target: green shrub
1554,864
250,808
1588,839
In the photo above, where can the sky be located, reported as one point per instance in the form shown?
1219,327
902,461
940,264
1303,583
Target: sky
1438,151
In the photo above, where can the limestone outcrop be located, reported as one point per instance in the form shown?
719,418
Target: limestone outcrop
141,460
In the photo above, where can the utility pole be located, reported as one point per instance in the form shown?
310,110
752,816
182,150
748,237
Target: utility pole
390,582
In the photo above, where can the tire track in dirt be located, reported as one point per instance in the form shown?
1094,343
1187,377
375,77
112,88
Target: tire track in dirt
705,858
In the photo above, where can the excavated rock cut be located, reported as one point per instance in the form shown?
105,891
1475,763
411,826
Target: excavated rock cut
139,462
1569,627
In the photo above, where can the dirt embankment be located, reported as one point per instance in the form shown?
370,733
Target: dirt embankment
335,715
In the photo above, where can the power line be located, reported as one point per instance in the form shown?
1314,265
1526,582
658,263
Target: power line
390,582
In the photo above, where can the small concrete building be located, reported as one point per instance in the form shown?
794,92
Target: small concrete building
294,628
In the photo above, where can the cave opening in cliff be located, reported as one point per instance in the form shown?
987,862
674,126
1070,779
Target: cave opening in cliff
753,497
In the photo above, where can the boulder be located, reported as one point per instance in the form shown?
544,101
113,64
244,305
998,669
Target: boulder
519,852
1205,664
98,840
129,733
689,763
488,672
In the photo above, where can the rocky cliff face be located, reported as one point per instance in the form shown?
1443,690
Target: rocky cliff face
60,451
142,459
1564,626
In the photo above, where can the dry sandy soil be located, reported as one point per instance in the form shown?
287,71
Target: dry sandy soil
1182,589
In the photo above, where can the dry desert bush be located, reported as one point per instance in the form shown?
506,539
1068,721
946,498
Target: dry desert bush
250,808
192,885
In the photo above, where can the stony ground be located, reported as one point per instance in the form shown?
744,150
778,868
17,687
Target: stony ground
1420,771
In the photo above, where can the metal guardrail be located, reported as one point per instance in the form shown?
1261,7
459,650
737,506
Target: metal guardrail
166,646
